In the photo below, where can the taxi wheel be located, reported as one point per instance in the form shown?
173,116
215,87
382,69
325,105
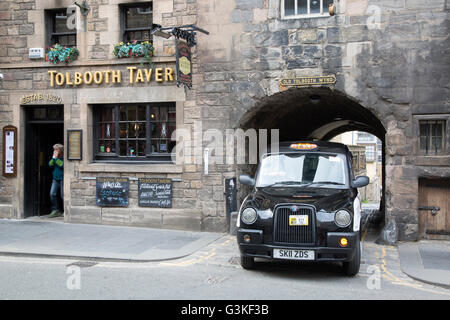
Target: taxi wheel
351,268
247,262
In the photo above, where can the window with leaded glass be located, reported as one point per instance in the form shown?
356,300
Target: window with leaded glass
59,31
431,134
136,22
304,8
134,131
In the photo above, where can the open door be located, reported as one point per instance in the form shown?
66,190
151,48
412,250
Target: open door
44,128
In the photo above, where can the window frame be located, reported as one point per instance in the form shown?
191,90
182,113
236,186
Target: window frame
50,20
303,16
445,151
124,30
432,148
149,157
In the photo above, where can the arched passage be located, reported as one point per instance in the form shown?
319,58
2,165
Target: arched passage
311,113
317,113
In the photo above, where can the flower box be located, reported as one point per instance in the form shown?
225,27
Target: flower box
134,49
58,53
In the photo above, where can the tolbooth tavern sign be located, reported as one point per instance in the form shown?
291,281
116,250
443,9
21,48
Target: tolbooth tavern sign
133,75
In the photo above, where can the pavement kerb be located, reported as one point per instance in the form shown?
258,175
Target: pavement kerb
151,255
411,264
108,259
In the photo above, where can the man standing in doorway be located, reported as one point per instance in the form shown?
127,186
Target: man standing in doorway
57,163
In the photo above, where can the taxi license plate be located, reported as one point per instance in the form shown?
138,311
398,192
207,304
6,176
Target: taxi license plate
298,220
293,254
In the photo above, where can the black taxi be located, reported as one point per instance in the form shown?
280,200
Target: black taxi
304,206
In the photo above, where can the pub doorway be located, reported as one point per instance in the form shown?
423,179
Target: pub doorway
44,127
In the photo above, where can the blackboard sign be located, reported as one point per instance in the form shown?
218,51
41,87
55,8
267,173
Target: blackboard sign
155,192
112,192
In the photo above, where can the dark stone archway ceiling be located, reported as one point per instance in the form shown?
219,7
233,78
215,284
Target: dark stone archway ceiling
298,115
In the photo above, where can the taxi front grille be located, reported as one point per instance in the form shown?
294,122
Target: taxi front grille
298,235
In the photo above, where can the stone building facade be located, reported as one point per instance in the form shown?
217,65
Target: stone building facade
389,59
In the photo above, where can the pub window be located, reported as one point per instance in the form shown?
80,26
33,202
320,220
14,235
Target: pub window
136,22
431,134
304,8
138,132
59,30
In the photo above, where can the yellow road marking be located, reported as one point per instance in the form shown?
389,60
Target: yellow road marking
185,263
364,235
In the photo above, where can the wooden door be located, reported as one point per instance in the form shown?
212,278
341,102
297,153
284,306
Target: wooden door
434,193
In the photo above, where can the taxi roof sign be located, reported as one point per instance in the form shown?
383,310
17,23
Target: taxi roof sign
303,146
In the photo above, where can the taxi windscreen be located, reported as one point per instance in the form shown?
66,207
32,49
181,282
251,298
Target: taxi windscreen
303,169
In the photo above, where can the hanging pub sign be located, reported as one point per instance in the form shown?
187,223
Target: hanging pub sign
9,151
184,63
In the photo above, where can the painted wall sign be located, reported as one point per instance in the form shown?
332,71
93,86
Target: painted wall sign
40,97
307,81
74,144
155,192
135,75
112,192
184,64
9,151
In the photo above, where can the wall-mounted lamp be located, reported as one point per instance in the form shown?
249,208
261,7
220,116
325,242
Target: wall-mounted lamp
156,30
84,8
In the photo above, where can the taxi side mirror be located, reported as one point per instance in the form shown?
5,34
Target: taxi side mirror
246,179
360,182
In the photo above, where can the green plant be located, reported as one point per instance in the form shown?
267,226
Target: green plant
58,53
134,49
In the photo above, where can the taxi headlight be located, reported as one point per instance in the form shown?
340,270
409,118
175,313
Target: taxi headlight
249,215
342,218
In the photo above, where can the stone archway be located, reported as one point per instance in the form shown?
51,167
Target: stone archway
313,113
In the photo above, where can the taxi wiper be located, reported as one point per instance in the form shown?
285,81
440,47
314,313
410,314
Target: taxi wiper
284,182
325,182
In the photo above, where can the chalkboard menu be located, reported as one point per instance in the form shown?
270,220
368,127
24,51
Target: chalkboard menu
155,192
112,192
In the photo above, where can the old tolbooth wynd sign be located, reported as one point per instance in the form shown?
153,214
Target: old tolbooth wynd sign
285,83
132,75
